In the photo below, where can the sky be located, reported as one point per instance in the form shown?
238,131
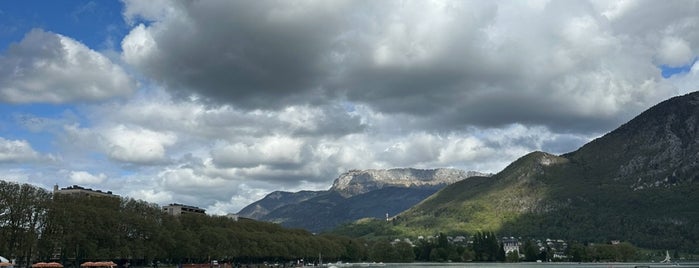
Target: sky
217,103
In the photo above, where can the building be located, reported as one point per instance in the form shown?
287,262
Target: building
510,244
179,209
78,190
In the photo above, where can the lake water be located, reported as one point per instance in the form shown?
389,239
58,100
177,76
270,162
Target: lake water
523,265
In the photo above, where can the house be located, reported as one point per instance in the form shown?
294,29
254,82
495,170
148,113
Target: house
510,244
179,209
78,190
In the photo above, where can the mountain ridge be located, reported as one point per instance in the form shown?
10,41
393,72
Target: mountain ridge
271,201
355,194
636,183
356,182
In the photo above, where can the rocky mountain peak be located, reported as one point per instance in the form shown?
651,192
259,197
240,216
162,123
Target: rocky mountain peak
356,182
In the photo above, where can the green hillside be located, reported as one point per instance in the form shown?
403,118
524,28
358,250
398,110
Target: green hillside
637,184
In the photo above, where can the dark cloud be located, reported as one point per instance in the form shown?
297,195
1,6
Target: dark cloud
252,54
438,60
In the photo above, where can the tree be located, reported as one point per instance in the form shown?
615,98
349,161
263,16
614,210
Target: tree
353,251
423,249
383,251
22,217
486,247
468,255
543,255
577,252
36,224
512,256
501,253
626,251
404,252
531,252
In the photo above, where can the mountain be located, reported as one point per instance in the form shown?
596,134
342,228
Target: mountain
356,182
275,200
354,195
637,183
332,209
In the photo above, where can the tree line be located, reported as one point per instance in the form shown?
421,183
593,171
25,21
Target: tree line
37,225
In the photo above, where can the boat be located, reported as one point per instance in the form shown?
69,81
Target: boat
5,262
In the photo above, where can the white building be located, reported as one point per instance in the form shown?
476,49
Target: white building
178,209
510,244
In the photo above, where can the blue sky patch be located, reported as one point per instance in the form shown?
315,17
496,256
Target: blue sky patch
668,71
97,24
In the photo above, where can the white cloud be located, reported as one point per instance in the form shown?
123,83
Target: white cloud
138,43
614,9
19,175
49,67
275,151
14,151
180,178
687,82
675,52
84,177
147,10
152,195
137,145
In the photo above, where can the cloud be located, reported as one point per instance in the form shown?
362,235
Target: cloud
137,145
38,124
268,50
238,99
52,68
16,151
125,144
274,151
675,52
572,66
158,111
84,177
687,82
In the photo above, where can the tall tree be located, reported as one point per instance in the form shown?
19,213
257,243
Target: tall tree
531,252
22,216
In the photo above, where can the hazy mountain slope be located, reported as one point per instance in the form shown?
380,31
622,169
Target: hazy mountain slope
328,211
638,183
274,200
